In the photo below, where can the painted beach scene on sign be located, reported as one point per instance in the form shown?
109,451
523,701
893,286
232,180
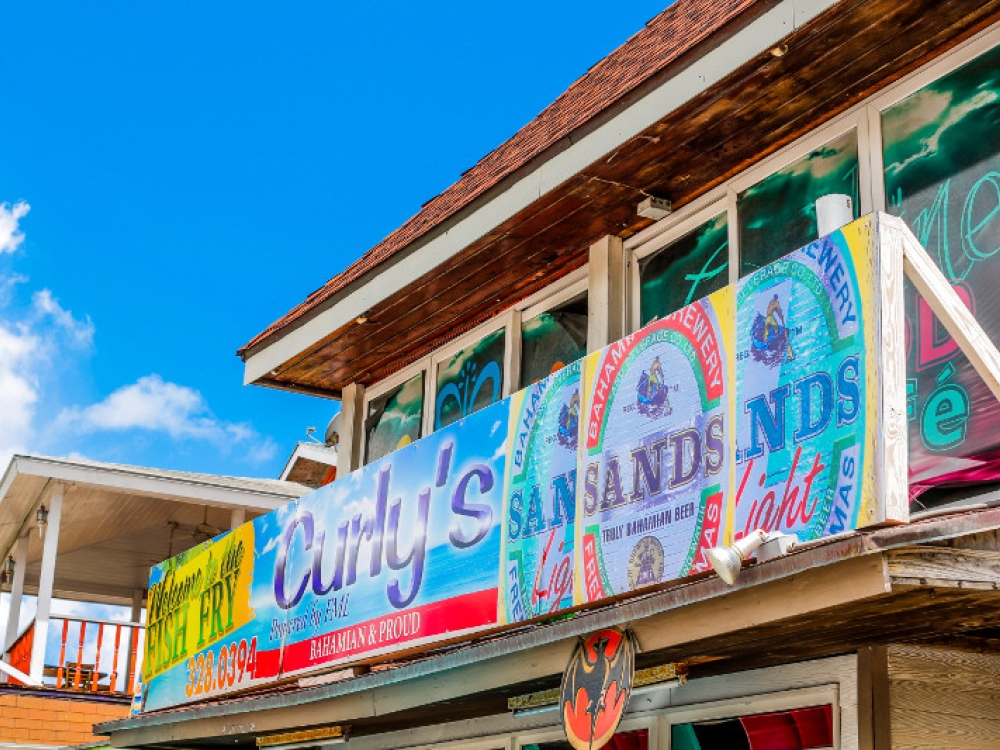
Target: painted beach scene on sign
804,390
655,466
540,498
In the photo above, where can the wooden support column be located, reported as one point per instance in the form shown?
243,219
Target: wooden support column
239,517
45,582
605,293
16,594
891,463
352,408
974,342
138,595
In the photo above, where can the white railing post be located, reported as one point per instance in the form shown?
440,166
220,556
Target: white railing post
16,592
45,582
16,595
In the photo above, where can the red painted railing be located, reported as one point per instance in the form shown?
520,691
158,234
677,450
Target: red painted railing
96,656
20,652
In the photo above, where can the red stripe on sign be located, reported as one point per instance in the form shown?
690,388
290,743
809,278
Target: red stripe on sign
268,663
710,529
591,573
382,634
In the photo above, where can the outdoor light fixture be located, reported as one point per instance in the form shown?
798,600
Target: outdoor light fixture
8,567
780,51
728,561
307,738
361,319
654,208
42,516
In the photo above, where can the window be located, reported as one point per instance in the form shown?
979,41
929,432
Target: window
553,339
394,419
798,729
941,160
685,270
470,379
778,214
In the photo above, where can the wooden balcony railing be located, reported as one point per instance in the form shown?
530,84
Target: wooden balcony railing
96,656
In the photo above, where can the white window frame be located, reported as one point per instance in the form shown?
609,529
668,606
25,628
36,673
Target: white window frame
560,291
386,385
666,231
948,62
723,199
649,721
493,742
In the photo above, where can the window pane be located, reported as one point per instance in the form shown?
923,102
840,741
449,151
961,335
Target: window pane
552,340
469,380
942,176
778,214
799,729
684,271
394,419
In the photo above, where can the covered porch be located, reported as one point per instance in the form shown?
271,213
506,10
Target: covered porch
80,535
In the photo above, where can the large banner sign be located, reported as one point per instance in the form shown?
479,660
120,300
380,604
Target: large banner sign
401,553
756,407
805,399
656,457
540,501
203,637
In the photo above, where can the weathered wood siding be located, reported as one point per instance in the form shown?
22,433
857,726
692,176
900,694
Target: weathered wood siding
941,697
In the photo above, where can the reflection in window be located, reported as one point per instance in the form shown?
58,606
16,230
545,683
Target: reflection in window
778,214
800,729
942,176
472,378
394,418
684,271
552,340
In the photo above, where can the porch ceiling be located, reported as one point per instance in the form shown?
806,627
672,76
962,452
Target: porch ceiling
118,521
832,63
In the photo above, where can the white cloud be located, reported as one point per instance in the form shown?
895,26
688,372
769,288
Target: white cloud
81,332
11,236
19,354
155,405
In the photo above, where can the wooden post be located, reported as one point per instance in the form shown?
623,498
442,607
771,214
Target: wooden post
133,632
238,518
16,593
892,461
45,583
352,420
605,293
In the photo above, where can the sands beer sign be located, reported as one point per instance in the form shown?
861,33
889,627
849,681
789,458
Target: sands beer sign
754,408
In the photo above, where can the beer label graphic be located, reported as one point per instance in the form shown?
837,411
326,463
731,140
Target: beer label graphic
802,396
655,464
540,498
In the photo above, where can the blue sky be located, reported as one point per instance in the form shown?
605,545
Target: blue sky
193,171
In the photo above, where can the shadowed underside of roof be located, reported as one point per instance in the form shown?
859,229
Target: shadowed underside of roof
664,39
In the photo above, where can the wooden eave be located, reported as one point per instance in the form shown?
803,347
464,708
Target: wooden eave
841,57
926,581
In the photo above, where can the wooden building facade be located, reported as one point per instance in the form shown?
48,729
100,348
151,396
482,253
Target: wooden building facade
688,158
